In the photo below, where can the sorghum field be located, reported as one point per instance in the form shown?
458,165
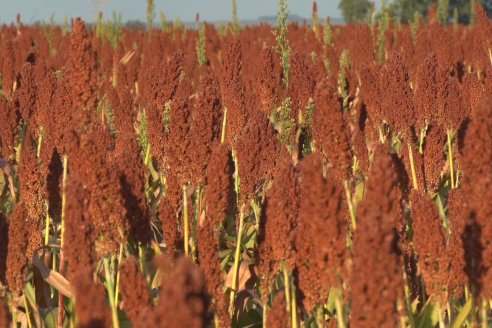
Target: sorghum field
288,176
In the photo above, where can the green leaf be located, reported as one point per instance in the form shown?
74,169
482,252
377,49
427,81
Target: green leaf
465,311
428,316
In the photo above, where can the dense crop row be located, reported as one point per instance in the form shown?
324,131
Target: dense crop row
184,178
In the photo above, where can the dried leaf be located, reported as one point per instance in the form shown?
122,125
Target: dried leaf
244,275
54,278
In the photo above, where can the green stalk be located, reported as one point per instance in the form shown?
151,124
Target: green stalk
286,285
450,159
264,318
62,238
408,303
40,141
483,314
319,316
185,221
294,307
339,309
423,133
64,199
382,139
29,323
350,205
236,261
412,167
120,256
47,226
111,292
147,155
224,124
465,311
141,261
441,319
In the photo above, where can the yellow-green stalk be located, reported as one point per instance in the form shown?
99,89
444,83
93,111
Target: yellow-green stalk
200,47
236,28
224,125
450,159
412,167
235,268
185,221
283,47
350,204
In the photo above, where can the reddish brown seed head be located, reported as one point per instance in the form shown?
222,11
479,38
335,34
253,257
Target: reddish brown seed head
207,124
219,191
257,151
90,302
130,169
136,297
8,66
425,90
397,100
32,176
81,69
269,77
371,93
24,96
89,159
301,84
232,89
452,108
434,158
24,239
183,299
163,89
4,243
79,250
8,128
321,233
4,315
276,238
429,239
329,130
277,316
456,247
168,214
476,180
377,278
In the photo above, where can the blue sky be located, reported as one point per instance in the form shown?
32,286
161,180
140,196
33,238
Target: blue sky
211,10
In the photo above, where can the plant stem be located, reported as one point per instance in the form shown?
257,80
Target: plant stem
185,221
61,305
265,312
319,316
339,309
450,159
286,285
40,141
293,309
350,205
408,303
483,314
110,288
64,199
422,135
47,226
118,276
224,123
147,155
412,167
29,323
236,261
441,319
